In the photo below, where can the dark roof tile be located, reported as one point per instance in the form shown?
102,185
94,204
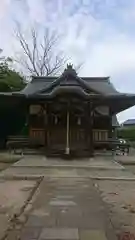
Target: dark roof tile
129,122
101,85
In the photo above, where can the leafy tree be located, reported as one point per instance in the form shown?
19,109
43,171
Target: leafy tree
12,118
10,80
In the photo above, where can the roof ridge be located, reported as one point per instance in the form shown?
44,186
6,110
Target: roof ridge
93,77
96,78
129,119
42,78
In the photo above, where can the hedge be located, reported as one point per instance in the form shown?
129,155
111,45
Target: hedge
126,133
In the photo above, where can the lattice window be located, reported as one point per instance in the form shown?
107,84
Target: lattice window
100,135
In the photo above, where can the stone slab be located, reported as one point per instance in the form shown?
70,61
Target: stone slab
64,197
81,222
41,221
41,161
61,203
59,234
31,172
30,233
92,234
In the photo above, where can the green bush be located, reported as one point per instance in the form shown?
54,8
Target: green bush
127,133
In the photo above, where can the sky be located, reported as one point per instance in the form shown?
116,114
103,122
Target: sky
99,33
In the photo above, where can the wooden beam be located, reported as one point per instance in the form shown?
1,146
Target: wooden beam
110,123
90,128
46,122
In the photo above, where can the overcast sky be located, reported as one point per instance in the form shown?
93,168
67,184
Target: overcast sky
100,33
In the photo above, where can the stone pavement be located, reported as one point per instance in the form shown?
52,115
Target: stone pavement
42,161
68,204
37,166
66,209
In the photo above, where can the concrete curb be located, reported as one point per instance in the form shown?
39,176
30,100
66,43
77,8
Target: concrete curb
72,166
36,177
113,178
127,163
20,177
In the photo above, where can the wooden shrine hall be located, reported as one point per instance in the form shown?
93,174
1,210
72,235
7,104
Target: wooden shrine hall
71,114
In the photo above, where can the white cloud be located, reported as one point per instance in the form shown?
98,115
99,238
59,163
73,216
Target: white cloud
104,48
37,11
112,55
4,4
104,51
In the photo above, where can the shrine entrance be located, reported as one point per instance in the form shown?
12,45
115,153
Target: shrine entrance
62,125
56,135
67,130
77,132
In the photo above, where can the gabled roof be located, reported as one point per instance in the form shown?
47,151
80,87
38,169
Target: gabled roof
98,89
37,84
129,122
100,85
70,79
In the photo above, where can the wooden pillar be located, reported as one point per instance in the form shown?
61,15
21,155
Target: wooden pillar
67,149
28,123
86,125
46,125
90,124
110,134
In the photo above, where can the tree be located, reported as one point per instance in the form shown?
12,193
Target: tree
12,118
40,56
10,80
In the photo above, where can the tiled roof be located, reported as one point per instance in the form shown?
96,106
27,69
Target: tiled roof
101,85
129,122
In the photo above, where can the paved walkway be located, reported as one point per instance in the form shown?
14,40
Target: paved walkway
93,163
67,209
98,168
68,204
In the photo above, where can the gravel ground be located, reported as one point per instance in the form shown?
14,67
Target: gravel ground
120,195
13,196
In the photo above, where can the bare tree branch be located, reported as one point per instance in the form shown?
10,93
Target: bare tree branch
39,56
27,51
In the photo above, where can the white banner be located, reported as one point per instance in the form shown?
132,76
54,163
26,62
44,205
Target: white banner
35,109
